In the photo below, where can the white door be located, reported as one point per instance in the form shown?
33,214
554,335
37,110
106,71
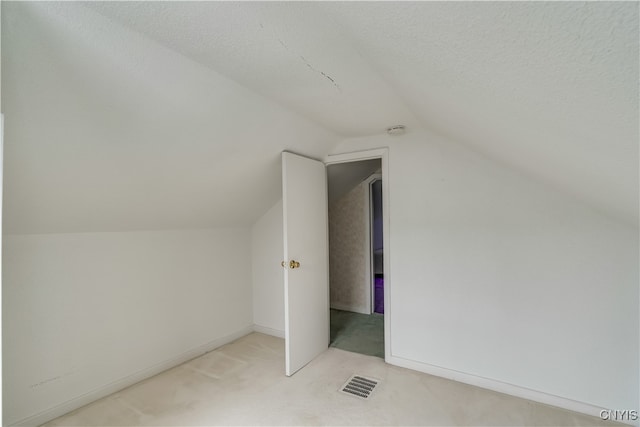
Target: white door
306,255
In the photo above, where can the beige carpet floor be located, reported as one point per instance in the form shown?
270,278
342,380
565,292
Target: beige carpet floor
243,383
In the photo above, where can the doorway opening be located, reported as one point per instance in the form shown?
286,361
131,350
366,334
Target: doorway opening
377,244
356,256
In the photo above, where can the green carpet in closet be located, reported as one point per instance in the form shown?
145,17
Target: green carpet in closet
359,333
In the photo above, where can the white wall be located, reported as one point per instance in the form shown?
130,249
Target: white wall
498,276
82,311
268,275
108,130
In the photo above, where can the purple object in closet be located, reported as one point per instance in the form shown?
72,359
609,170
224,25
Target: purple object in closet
379,295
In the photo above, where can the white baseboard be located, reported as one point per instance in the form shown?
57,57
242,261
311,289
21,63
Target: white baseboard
499,386
269,331
348,308
117,385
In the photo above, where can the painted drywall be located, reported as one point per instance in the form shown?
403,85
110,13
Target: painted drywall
288,51
267,273
107,130
499,276
343,177
348,254
548,87
84,310
110,130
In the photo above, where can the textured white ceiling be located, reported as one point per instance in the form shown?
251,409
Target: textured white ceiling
189,103
550,88
288,51
107,130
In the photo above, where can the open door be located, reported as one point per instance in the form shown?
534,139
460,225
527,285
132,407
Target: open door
306,255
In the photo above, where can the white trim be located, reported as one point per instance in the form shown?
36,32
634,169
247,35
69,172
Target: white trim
356,156
348,308
285,256
269,331
383,154
369,249
117,385
499,386
368,245
1,245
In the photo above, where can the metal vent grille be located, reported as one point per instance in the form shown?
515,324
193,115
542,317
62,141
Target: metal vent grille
359,386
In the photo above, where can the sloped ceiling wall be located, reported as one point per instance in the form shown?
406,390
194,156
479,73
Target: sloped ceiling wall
122,115
550,88
344,177
107,130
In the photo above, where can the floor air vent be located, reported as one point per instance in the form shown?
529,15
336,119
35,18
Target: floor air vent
359,386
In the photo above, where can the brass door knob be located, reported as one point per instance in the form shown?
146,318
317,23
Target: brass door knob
294,264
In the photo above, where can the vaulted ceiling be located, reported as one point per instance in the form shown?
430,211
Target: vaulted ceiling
130,115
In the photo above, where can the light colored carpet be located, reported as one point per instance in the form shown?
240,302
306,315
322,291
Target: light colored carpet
243,383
